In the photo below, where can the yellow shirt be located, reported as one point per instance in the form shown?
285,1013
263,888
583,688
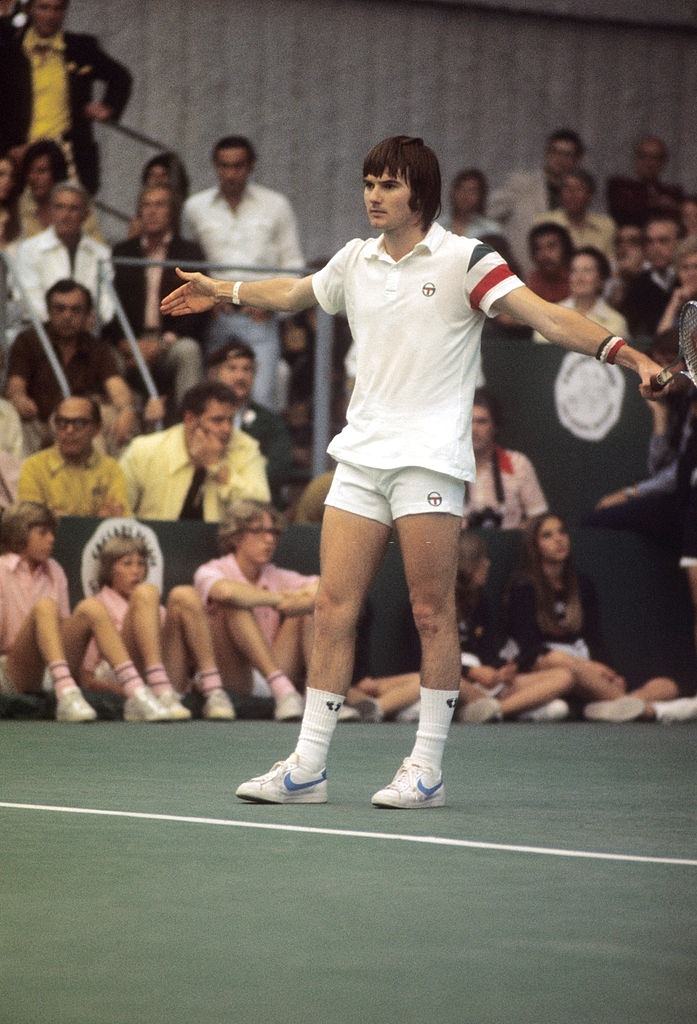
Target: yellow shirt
73,490
50,111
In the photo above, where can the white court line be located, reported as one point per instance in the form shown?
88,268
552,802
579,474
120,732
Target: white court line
351,834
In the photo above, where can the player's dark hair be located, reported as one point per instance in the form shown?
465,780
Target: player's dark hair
18,520
235,142
409,158
234,347
602,263
115,548
66,285
567,135
196,399
474,174
548,227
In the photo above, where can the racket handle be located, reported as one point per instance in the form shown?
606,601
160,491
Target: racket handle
659,380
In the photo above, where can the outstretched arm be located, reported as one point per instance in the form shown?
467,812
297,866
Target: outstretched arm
571,330
201,293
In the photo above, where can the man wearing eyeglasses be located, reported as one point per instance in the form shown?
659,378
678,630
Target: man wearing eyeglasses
72,478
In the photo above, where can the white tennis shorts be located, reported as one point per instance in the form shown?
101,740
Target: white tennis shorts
387,494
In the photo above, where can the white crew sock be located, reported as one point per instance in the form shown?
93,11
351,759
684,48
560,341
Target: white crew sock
319,722
437,707
684,709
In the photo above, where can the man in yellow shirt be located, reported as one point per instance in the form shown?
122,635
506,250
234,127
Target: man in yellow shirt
50,76
72,478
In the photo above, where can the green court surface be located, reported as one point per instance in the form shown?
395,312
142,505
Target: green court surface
487,911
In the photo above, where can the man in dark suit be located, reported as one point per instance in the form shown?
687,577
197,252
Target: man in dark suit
649,292
46,81
170,347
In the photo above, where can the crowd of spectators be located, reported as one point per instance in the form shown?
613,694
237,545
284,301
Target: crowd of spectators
112,409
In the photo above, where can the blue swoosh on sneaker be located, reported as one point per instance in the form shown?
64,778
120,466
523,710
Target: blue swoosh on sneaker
428,791
293,787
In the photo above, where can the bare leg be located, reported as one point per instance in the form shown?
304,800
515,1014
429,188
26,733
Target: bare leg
38,643
351,551
245,636
90,618
186,638
593,681
533,689
429,551
141,632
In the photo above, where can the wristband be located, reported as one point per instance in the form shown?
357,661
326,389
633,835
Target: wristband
236,293
604,345
614,349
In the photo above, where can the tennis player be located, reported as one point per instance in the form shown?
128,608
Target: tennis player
416,298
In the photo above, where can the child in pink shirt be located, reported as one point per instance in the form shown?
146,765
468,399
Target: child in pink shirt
166,644
38,633
261,615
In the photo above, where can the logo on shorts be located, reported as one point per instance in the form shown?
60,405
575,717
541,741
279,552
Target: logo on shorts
429,289
434,498
451,702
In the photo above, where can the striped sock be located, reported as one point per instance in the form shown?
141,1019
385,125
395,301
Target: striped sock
319,722
437,707
128,679
61,677
280,684
208,681
157,679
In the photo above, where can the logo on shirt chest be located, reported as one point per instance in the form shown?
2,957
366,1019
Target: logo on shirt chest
428,289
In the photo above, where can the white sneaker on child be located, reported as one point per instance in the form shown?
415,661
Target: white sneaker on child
218,707
553,711
413,786
684,709
289,708
622,709
286,783
174,707
72,707
144,706
477,712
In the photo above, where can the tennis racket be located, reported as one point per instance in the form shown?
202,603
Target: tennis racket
686,363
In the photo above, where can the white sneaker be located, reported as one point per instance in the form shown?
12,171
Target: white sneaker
348,714
72,707
622,709
684,709
413,786
287,783
169,700
554,711
144,706
218,707
477,712
289,708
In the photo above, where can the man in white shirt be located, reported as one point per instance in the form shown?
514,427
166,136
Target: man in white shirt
63,251
243,224
415,298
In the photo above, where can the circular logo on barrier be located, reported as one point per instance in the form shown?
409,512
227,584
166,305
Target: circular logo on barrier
434,498
588,396
429,289
110,528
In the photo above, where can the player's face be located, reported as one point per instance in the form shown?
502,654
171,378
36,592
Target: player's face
156,212
483,430
233,168
584,279
257,544
661,242
39,546
237,372
553,541
127,573
47,16
387,203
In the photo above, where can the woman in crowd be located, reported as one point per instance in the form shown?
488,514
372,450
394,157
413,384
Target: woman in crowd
261,616
167,644
42,167
588,275
41,643
554,620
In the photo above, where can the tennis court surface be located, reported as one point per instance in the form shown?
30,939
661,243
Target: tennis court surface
558,885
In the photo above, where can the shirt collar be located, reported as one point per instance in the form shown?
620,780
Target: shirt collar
17,562
375,247
56,462
33,42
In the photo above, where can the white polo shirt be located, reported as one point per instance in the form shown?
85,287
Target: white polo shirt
417,328
260,232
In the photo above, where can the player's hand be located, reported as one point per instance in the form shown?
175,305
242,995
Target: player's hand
198,295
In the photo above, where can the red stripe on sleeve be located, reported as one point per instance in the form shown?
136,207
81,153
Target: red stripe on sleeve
494,277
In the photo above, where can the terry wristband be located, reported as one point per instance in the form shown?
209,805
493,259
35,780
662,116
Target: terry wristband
236,293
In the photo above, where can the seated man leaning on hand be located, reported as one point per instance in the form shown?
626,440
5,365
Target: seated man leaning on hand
71,477
197,468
